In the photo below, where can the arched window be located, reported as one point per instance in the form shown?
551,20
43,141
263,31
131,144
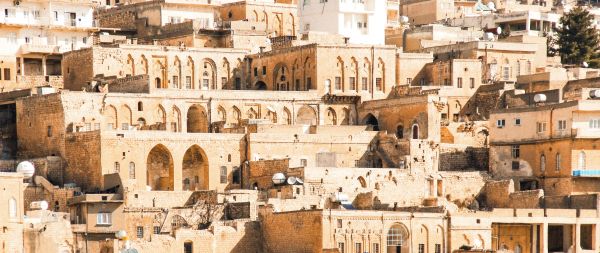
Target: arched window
543,163
236,175
397,235
223,175
557,161
140,106
12,208
188,247
581,164
131,170
415,131
400,131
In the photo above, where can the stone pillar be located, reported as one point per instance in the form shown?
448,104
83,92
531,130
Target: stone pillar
22,66
44,73
544,237
177,171
528,24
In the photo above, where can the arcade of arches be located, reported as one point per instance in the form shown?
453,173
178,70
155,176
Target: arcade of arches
161,173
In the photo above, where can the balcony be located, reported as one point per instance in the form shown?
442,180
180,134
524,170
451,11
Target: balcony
586,173
38,48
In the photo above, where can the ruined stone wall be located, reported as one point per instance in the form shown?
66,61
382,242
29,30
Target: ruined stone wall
40,126
77,68
305,226
526,199
83,167
131,84
454,157
261,172
497,193
56,197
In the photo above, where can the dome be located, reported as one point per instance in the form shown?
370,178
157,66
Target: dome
278,178
26,168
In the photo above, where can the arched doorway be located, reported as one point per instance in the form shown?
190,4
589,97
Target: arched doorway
195,169
306,116
331,117
158,83
397,239
159,167
400,131
260,85
415,131
197,120
370,120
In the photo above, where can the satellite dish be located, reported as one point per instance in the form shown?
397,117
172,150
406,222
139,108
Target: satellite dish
27,168
492,6
595,93
538,98
291,180
584,64
488,36
148,188
299,181
403,19
278,178
121,234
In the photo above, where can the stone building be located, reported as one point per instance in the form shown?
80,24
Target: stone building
12,214
34,34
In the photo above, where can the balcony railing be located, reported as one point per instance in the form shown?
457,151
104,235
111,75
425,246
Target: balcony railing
586,173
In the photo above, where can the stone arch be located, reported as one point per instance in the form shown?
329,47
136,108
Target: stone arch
260,85
272,115
287,116
189,73
197,119
254,16
236,115
176,74
293,24
222,114
439,237
415,131
397,238
176,119
331,117
130,70
281,77
110,117
424,236
195,174
251,114
307,79
160,74
124,117
143,65
346,120
225,73
306,116
278,25
362,182
339,83
380,75
371,120
209,74
266,20
400,131
353,75
159,119
159,167
365,73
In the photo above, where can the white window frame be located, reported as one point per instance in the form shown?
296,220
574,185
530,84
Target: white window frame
104,219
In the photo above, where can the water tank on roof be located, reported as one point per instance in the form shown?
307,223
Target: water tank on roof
595,93
278,178
39,205
27,168
539,98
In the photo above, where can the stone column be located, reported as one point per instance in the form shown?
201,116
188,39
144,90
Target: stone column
544,237
22,66
44,73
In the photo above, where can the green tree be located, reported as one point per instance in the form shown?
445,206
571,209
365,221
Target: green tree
577,39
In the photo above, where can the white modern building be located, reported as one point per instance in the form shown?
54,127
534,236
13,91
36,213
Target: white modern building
33,34
361,21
